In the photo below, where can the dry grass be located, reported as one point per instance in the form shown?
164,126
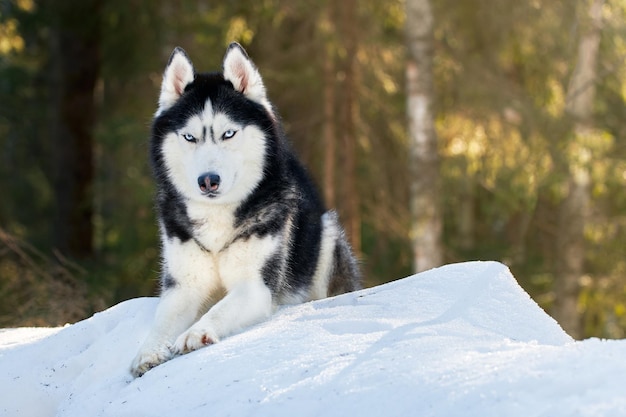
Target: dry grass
39,290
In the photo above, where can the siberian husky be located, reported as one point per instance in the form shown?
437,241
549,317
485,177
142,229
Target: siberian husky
243,229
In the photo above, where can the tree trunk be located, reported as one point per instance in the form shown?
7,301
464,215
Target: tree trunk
330,137
424,156
573,212
467,214
349,110
76,62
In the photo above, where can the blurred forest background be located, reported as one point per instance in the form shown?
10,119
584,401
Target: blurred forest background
530,155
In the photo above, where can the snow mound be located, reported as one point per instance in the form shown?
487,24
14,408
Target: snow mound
463,339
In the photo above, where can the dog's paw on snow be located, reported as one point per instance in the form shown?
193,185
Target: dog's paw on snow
149,358
193,339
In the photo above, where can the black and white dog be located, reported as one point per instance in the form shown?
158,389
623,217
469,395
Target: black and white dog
242,227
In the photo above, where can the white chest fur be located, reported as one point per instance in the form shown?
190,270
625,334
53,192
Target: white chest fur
213,224
215,258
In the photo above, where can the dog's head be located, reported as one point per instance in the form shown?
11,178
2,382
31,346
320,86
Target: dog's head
211,132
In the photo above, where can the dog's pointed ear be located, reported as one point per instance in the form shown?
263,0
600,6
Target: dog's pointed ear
243,74
178,74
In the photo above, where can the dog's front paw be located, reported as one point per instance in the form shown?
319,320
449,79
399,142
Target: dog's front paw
147,359
194,338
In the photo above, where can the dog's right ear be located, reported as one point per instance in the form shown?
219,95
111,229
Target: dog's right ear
178,74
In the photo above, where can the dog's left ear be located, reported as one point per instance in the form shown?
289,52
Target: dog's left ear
243,74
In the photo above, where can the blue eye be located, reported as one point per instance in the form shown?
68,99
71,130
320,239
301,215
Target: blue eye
229,134
188,137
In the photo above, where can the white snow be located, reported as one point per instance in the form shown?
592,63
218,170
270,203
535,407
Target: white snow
461,340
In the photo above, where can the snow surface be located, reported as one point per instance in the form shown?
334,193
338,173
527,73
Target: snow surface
461,340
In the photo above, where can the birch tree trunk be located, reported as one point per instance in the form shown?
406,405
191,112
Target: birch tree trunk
424,157
573,215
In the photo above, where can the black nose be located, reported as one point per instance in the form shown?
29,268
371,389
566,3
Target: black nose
209,182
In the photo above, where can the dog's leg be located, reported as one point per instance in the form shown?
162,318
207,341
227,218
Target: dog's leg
248,300
248,303
177,310
191,281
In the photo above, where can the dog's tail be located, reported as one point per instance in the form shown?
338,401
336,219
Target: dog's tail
345,274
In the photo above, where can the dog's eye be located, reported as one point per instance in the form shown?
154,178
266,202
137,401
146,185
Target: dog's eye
229,134
188,137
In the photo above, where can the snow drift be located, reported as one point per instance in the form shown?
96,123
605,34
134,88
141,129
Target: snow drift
463,339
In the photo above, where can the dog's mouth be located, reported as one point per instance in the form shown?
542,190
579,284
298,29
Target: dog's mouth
211,194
